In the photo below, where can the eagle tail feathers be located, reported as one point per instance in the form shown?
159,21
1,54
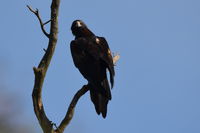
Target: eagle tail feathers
100,98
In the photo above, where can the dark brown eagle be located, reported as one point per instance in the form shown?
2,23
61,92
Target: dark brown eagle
92,57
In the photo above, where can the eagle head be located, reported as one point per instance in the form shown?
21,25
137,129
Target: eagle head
79,29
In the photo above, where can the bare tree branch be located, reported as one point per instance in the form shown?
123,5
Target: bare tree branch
36,12
71,108
41,70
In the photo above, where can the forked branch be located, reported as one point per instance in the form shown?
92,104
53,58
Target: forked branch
36,12
42,68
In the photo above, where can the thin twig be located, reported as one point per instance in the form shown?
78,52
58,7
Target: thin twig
47,22
44,50
36,12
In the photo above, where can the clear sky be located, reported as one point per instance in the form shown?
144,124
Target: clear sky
157,83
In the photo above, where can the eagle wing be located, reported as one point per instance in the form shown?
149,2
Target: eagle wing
106,56
97,48
77,51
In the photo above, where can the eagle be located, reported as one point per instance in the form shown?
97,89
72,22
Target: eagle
92,56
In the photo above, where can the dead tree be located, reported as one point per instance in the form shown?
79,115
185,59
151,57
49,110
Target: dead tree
40,73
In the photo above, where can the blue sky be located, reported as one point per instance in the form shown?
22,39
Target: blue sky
157,77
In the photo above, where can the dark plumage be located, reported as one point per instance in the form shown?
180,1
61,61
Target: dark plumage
92,56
